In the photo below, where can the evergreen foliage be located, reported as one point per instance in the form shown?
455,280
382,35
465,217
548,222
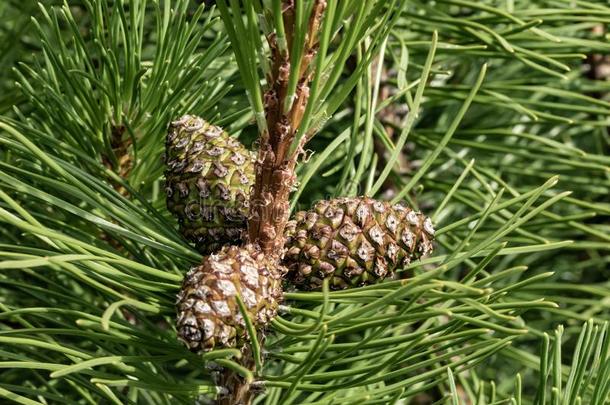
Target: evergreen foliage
491,117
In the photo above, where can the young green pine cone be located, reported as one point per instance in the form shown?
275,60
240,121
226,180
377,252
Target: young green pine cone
208,313
353,242
208,180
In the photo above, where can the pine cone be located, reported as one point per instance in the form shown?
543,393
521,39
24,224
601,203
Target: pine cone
353,242
208,313
208,180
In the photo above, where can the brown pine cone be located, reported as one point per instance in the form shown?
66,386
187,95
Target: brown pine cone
353,242
208,180
208,312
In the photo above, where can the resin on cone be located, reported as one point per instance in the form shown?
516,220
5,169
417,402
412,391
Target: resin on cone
353,242
208,179
208,313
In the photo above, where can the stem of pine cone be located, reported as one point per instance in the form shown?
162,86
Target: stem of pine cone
239,390
275,177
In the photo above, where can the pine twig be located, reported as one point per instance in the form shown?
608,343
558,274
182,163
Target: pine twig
239,390
275,177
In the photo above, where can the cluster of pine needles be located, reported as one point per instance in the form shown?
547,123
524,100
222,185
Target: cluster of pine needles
492,117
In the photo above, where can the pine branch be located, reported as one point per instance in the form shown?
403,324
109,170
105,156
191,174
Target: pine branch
107,96
285,103
84,321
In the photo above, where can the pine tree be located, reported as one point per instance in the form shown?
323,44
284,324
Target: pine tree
489,118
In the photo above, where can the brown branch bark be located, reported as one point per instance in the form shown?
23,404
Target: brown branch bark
239,391
122,162
275,178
